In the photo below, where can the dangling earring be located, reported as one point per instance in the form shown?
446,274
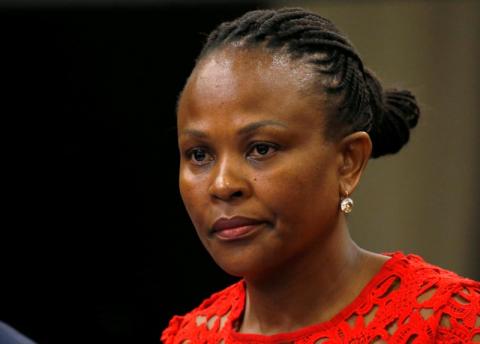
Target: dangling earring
346,205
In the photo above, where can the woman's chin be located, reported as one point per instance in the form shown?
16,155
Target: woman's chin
245,258
238,266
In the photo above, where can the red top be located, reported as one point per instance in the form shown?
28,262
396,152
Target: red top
407,301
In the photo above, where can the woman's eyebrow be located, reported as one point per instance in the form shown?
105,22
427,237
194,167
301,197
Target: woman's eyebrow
255,125
193,132
243,131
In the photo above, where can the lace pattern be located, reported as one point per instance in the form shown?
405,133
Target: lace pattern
408,301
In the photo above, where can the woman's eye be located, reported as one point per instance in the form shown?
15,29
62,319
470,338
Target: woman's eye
199,156
261,150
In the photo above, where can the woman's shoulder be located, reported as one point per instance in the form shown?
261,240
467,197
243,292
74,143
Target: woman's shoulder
428,284
208,318
419,292
413,268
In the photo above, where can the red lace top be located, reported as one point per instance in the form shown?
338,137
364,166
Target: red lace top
408,301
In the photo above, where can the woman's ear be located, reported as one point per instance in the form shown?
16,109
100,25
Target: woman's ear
355,150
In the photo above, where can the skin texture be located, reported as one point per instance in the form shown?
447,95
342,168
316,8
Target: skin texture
252,143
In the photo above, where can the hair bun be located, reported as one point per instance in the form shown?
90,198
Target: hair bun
391,128
404,104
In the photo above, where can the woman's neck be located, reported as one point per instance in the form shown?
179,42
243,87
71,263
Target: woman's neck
314,287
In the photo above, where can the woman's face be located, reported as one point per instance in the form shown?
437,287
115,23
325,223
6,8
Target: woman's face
258,179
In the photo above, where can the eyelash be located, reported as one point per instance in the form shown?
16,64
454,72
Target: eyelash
270,146
190,155
259,157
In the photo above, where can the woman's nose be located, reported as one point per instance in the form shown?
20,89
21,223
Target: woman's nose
228,183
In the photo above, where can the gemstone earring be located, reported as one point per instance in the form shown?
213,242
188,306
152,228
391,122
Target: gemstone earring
346,205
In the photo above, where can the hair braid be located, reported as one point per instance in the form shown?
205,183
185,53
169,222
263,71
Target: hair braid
361,101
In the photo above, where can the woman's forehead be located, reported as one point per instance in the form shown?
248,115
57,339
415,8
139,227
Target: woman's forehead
248,85
228,68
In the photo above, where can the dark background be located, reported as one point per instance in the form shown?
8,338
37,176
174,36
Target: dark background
96,246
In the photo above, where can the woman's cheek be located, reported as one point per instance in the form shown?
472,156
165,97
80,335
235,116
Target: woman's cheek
196,200
188,183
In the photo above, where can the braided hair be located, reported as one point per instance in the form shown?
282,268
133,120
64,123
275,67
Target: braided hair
386,115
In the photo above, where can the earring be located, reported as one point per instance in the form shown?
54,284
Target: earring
346,205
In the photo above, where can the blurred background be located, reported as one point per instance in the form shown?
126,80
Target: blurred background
95,244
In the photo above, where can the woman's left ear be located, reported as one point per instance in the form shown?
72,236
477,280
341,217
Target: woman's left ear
355,150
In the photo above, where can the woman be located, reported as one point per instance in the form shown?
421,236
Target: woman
276,124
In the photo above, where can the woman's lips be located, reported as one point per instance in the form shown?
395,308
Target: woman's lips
235,228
